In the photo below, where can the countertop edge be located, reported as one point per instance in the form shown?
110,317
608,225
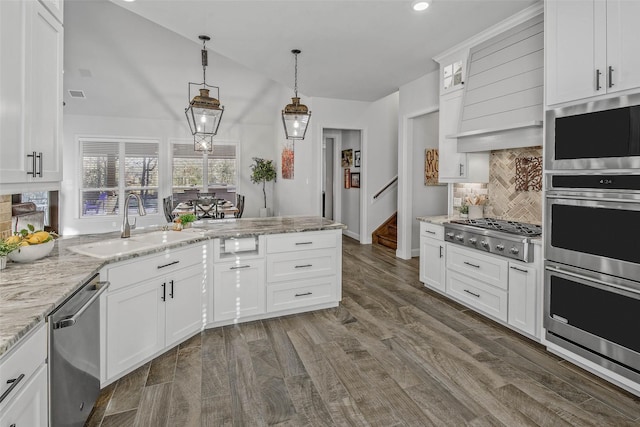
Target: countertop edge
41,311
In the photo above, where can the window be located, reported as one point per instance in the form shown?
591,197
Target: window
111,169
215,172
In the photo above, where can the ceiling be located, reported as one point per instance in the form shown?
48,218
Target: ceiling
351,49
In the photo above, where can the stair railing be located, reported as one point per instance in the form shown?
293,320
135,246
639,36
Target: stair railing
386,187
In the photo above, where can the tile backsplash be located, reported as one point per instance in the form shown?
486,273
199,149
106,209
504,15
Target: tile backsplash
503,199
5,216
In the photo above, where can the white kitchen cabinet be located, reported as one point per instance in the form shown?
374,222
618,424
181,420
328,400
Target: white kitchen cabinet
455,166
432,256
23,375
238,289
29,407
135,326
153,302
31,45
478,294
591,48
523,304
56,7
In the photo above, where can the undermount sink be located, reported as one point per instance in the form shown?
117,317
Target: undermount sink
110,248
117,247
163,237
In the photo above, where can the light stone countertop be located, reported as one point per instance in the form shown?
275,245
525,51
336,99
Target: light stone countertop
30,291
439,219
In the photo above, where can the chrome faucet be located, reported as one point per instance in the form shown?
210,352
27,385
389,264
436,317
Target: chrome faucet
126,228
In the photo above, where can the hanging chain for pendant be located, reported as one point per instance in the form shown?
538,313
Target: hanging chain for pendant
205,62
295,85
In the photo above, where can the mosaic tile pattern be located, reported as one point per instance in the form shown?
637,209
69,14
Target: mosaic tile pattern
5,216
504,201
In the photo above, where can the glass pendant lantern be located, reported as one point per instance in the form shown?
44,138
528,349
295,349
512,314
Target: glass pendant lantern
295,116
204,112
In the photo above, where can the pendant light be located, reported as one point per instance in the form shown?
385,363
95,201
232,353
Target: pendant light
295,116
204,113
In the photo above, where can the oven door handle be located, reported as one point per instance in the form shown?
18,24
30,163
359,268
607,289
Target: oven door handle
591,279
70,321
591,198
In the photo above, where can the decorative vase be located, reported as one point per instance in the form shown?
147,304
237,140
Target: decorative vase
476,211
265,212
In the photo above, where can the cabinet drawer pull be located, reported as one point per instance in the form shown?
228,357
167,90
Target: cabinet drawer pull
471,293
14,383
238,267
39,173
610,76
304,266
167,265
430,232
472,265
33,164
304,295
304,243
522,270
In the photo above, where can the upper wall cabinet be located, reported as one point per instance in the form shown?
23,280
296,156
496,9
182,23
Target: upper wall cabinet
56,7
591,48
31,48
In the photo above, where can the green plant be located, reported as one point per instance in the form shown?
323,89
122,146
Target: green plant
7,247
464,209
263,171
187,218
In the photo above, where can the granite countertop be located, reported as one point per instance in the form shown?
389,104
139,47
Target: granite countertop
30,291
438,219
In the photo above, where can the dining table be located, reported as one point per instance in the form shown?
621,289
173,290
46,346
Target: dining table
206,208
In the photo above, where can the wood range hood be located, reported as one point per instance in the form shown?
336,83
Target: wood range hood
503,95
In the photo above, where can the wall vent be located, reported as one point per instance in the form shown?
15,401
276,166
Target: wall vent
77,94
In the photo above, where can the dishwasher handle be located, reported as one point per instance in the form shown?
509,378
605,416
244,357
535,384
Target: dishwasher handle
71,320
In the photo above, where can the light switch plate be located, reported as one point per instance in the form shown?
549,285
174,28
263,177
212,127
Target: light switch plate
457,201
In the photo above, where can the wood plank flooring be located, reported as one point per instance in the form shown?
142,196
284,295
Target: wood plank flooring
392,354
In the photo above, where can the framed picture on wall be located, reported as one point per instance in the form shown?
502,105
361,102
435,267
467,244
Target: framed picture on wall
355,180
356,159
347,158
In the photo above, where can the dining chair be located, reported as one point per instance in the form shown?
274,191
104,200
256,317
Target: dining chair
167,204
202,210
240,206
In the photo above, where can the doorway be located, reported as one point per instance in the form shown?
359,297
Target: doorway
342,172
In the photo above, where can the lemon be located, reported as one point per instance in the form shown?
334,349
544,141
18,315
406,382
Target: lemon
24,243
14,239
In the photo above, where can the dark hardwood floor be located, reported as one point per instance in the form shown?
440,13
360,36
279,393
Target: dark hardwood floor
392,354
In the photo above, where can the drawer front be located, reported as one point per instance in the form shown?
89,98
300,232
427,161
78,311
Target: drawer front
24,359
286,296
434,231
144,268
475,264
301,265
294,242
482,297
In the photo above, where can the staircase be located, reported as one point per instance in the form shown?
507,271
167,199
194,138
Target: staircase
387,233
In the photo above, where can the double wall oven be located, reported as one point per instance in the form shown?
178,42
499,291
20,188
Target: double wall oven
592,217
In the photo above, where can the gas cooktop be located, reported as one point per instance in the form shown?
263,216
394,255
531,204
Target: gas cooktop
511,227
510,239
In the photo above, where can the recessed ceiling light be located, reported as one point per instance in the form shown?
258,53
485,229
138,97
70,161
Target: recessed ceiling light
420,5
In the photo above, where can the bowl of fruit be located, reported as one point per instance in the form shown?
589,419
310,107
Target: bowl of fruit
32,244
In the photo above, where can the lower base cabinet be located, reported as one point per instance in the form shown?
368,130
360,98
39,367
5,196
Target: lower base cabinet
24,382
29,406
238,289
145,318
522,298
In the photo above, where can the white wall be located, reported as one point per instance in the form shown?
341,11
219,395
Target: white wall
350,197
416,98
426,200
253,141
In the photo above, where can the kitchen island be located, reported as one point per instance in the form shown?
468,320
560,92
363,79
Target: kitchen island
29,292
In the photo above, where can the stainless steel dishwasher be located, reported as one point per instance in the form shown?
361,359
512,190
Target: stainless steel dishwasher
74,355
